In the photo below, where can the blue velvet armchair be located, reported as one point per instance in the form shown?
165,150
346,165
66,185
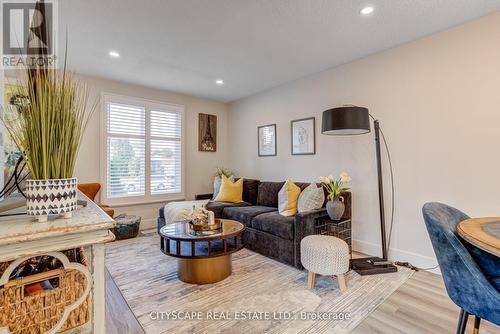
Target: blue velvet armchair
470,275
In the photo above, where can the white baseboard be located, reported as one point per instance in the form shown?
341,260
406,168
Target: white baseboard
418,260
147,224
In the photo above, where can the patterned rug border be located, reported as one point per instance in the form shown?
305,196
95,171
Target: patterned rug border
364,294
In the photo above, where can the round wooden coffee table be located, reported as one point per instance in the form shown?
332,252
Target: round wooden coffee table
205,257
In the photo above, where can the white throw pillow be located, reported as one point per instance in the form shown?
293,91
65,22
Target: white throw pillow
217,184
311,198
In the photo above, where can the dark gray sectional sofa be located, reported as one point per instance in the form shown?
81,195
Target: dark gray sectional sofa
267,232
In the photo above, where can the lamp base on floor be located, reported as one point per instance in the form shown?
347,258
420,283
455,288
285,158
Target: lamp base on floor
365,266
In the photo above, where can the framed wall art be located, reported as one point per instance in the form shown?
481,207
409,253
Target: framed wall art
207,133
303,136
266,140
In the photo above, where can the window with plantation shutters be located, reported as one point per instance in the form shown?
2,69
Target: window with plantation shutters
143,150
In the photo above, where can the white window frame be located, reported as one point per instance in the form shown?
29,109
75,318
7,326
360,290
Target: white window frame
148,105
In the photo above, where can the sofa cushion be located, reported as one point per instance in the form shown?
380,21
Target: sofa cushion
302,185
268,193
218,207
250,190
275,224
245,214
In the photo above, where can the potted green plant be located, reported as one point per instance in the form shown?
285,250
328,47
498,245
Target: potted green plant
48,128
335,206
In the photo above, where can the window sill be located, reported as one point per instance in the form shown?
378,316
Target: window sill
142,202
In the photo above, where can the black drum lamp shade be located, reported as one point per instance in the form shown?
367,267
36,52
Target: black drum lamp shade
345,121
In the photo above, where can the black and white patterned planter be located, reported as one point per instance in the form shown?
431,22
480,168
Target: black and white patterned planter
51,197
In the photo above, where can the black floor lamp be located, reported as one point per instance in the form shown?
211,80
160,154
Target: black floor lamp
348,121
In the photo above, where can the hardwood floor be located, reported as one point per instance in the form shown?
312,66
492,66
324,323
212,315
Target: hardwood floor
420,306
119,317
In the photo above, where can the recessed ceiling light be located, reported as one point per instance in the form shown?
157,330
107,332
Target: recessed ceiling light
219,82
367,10
114,54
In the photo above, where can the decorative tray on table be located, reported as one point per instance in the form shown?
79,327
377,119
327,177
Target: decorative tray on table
203,222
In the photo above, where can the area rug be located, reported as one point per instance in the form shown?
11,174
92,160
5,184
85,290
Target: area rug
261,296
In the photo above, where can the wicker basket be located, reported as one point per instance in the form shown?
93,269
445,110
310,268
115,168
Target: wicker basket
40,312
127,226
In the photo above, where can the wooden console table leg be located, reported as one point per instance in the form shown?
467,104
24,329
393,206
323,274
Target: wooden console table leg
98,290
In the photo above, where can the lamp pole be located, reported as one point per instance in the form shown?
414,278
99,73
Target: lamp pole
376,126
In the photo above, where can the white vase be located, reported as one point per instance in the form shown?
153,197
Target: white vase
51,197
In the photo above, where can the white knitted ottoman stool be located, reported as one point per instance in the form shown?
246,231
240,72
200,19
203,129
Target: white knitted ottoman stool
325,255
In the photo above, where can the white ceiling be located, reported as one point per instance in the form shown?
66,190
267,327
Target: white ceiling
184,45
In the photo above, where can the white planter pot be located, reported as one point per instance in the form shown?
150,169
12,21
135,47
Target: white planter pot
51,197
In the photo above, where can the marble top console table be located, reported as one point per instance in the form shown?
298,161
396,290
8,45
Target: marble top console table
22,237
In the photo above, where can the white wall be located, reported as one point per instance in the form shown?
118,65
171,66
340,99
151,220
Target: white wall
438,100
199,166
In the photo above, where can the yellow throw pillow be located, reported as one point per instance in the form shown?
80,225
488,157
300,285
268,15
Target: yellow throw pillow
230,191
287,199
